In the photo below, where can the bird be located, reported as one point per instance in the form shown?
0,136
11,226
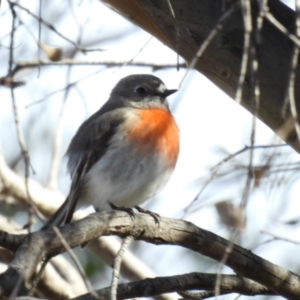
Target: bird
124,153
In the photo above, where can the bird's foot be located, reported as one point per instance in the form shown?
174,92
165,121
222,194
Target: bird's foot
155,216
122,208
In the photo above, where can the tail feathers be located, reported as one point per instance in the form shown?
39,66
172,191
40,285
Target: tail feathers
65,213
62,216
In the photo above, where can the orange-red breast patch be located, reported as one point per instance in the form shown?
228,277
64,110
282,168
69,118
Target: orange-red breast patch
156,130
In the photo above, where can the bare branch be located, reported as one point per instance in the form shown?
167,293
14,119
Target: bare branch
76,261
176,232
51,27
73,62
117,265
191,281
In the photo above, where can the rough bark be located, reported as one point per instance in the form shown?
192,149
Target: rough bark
29,250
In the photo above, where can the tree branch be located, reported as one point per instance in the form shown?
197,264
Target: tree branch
18,65
192,281
43,244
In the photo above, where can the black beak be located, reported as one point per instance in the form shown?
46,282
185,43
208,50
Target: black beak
167,93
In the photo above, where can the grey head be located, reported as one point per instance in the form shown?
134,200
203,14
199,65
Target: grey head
139,91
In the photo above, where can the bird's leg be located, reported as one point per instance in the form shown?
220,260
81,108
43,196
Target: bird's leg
155,216
122,208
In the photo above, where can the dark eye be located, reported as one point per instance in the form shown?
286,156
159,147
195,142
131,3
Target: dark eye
140,90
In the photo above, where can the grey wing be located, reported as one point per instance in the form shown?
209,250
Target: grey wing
87,146
92,138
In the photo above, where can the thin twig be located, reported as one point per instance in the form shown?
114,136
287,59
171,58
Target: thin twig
72,62
53,175
21,140
117,265
214,170
218,27
237,297
227,252
269,16
246,10
69,85
141,49
255,97
39,35
249,52
246,148
18,285
51,27
76,261
176,31
38,276
56,147
292,79
278,237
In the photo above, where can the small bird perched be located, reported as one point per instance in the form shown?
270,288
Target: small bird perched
125,152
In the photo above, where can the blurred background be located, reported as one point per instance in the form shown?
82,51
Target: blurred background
210,178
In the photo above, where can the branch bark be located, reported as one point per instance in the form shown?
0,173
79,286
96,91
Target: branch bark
32,249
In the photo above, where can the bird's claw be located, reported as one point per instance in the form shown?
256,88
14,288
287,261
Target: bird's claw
155,216
122,208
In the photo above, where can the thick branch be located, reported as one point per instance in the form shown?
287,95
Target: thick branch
171,231
192,281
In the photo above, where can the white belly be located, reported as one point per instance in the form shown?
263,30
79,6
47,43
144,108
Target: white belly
124,178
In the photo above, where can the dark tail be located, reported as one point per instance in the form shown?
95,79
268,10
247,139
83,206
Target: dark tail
62,216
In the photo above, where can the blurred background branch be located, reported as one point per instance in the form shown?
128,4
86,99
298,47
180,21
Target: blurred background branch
63,59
